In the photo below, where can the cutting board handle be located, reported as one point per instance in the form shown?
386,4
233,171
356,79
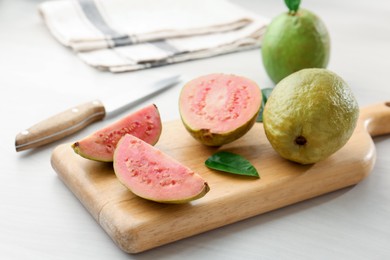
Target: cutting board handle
376,118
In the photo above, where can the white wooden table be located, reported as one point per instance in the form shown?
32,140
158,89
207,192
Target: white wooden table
41,219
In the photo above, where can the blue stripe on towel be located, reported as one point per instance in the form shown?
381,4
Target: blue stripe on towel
165,46
94,16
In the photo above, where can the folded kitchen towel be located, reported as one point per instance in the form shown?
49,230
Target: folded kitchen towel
153,54
126,35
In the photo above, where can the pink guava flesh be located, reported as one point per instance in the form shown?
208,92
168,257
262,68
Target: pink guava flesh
151,174
219,104
100,146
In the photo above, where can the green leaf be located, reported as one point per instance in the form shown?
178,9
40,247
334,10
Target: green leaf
231,163
266,93
293,5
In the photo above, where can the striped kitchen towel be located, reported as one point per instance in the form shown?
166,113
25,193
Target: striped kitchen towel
128,35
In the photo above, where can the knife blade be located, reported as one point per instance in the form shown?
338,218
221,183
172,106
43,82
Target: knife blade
78,117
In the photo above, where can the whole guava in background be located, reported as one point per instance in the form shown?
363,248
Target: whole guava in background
217,109
309,115
293,41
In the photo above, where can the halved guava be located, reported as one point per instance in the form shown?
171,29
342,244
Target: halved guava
99,146
217,109
151,174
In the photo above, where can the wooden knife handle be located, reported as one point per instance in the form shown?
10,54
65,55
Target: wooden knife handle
60,125
376,118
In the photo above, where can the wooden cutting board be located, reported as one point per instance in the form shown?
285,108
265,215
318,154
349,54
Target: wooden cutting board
136,224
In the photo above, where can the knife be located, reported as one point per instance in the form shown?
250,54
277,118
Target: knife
76,118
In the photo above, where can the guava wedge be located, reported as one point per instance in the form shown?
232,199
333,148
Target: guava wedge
153,175
100,145
217,109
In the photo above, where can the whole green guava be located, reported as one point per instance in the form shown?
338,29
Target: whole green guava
294,41
309,115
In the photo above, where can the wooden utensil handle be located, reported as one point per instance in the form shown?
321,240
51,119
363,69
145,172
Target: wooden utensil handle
60,125
376,118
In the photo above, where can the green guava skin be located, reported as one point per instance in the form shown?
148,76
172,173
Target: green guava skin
214,140
310,115
294,41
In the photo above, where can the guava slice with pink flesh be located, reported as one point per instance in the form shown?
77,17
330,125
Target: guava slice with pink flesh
100,145
153,175
217,109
